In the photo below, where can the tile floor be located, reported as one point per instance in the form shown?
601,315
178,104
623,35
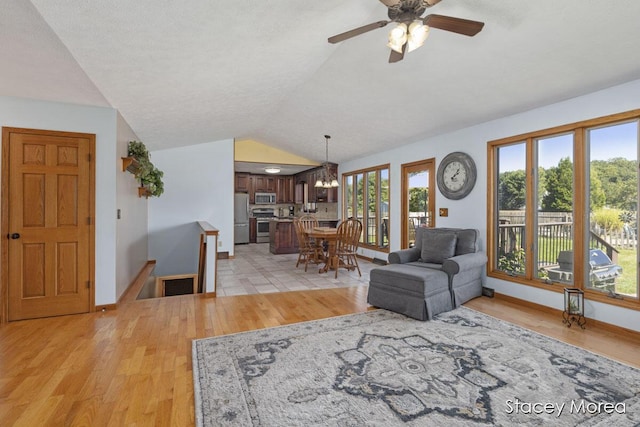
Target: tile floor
255,270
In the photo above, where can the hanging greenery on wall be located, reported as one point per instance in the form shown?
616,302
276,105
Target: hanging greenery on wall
150,177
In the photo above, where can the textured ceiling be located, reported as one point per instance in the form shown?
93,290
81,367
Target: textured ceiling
182,73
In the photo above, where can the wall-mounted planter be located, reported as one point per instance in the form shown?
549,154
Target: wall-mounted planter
130,164
138,163
144,192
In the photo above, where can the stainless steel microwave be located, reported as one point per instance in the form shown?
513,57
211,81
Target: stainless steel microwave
265,198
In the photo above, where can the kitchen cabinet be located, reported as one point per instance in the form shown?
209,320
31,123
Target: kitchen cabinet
259,183
289,188
253,229
243,183
271,184
316,194
281,190
264,183
282,237
299,193
312,178
283,186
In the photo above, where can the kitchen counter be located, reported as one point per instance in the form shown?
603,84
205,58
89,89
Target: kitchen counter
282,219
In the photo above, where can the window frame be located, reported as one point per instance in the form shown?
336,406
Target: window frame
364,173
580,156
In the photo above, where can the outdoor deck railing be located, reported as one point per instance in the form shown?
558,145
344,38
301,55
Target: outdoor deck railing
553,237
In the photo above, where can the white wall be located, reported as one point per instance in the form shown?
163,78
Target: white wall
198,186
131,228
471,211
34,114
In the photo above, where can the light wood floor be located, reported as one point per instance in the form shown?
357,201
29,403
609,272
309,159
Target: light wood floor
133,365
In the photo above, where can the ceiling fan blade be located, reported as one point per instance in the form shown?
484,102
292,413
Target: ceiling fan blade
397,56
391,3
356,31
455,25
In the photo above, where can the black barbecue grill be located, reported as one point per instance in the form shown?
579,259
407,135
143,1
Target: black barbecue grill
602,272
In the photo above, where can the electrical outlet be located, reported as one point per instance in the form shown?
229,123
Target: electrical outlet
219,243
119,214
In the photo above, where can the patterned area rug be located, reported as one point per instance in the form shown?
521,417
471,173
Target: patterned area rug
383,369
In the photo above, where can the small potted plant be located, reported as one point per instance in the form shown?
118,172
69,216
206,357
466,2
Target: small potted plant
152,181
150,177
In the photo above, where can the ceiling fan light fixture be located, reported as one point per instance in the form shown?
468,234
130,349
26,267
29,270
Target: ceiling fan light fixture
398,37
418,33
272,169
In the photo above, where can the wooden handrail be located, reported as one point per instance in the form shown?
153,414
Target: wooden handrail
208,229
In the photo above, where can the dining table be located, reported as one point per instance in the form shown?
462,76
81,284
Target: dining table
329,235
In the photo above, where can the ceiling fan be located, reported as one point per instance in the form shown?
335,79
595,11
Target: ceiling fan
412,30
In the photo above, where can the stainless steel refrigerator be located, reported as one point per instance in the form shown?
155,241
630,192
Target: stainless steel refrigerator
241,218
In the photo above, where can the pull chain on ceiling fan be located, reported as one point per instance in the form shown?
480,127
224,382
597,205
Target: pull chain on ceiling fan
412,30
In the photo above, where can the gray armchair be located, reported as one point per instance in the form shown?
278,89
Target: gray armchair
442,271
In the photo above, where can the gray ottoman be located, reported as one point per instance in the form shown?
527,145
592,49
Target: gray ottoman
416,292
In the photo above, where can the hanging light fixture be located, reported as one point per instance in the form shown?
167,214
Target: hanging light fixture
326,179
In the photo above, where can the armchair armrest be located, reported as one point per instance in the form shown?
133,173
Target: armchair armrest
404,256
459,263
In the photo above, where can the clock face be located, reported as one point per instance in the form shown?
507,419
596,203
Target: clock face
456,175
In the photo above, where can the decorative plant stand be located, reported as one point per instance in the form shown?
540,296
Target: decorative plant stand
573,307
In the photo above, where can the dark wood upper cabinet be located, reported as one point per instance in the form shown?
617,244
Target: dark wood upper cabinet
243,182
283,186
271,184
281,196
259,183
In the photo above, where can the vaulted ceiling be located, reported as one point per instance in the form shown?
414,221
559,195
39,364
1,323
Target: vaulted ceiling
183,73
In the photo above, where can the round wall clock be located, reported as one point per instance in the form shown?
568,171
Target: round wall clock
456,175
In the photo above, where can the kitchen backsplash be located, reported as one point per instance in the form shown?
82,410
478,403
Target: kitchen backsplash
323,210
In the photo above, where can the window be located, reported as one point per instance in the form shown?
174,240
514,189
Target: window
366,197
418,199
563,208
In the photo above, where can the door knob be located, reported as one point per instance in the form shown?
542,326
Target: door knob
14,236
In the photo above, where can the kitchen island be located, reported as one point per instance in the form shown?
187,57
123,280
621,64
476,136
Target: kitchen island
282,234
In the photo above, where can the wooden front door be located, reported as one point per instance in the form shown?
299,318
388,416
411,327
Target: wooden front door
47,222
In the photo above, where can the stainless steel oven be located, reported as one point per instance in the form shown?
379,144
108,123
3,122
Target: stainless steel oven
262,230
262,216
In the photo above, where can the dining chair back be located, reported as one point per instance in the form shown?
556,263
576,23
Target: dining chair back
308,221
307,249
347,242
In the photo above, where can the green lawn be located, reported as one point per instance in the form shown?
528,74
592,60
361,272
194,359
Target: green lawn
627,284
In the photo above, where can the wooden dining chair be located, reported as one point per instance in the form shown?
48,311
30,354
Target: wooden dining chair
347,241
308,250
309,222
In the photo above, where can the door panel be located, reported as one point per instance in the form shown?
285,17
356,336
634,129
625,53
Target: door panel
418,199
49,205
